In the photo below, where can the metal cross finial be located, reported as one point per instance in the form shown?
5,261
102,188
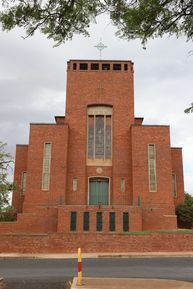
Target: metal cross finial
100,46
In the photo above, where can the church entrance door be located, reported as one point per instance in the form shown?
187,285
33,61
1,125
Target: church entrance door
98,191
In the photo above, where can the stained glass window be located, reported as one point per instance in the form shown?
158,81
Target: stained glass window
99,137
108,138
90,137
100,133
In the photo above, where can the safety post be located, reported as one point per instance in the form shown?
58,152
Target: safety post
79,281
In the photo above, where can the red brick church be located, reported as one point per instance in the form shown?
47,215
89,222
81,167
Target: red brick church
98,168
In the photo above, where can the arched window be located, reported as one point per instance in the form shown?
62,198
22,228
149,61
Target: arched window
99,134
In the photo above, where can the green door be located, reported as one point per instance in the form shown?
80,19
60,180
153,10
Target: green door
98,191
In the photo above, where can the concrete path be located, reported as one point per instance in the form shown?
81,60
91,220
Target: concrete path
130,283
98,255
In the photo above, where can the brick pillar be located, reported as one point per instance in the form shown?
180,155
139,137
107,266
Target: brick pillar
105,222
119,221
65,220
79,221
92,221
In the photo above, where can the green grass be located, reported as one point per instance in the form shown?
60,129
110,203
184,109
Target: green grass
178,231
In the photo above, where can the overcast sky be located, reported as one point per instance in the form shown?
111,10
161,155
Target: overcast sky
33,82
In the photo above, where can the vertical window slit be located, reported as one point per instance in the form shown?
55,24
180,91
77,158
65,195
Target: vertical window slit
46,166
125,222
111,221
152,168
99,221
86,221
73,221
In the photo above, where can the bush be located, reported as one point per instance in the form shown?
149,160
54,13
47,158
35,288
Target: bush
8,214
184,213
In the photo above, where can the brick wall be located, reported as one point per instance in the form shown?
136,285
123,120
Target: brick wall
57,135
177,168
158,206
68,243
42,220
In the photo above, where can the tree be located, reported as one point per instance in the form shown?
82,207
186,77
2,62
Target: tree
61,19
5,185
7,213
189,109
184,212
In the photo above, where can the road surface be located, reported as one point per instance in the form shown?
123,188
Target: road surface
52,273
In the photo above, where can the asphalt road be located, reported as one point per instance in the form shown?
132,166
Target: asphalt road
52,273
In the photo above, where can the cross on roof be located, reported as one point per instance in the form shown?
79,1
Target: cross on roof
100,46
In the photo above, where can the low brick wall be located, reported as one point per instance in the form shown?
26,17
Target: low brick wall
68,243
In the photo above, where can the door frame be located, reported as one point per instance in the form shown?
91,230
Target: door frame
98,177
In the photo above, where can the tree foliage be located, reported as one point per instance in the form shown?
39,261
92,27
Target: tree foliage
5,185
189,109
7,213
184,213
61,19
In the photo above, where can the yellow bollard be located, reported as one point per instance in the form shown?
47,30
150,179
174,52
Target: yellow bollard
79,281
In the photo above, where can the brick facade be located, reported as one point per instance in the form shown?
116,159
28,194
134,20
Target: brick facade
73,176
95,243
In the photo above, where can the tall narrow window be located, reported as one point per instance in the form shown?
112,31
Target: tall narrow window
108,140
122,185
99,144
174,185
152,168
99,137
46,166
23,182
74,184
91,137
125,222
86,221
99,221
74,66
111,221
73,218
